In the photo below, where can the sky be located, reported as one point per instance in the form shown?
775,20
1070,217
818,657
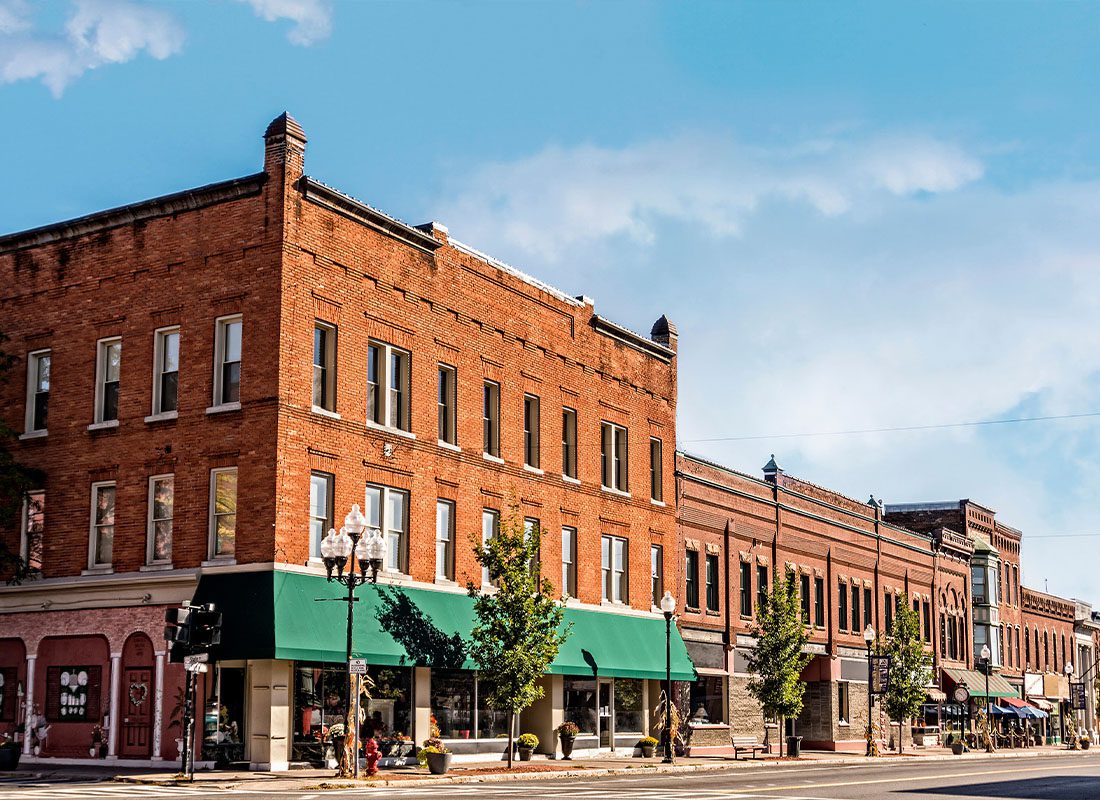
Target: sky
859,215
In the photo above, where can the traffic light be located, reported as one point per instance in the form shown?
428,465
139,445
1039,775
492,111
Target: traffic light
192,629
177,625
206,627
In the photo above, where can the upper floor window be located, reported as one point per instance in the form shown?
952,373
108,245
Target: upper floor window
223,512
166,370
32,530
691,579
804,596
490,419
868,608
490,526
712,582
108,367
926,609
38,391
445,539
656,572
569,443
888,610
162,495
102,534
761,585
388,510
388,371
531,417
656,470
613,456
842,604
746,589
856,615
321,515
531,529
819,602
447,403
227,360
614,560
569,562
324,366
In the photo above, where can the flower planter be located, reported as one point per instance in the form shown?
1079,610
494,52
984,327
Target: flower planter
438,763
647,750
9,758
567,747
525,753
957,747
1085,744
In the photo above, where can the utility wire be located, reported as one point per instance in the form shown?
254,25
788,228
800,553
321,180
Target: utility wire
898,429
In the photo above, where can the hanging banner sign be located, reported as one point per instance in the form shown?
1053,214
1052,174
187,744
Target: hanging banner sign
1077,696
880,674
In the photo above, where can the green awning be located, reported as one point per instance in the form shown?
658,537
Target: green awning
295,616
975,683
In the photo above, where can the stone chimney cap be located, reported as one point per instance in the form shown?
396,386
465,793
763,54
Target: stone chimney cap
285,125
771,467
663,327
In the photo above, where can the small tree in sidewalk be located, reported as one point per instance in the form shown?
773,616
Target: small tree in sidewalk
910,667
778,659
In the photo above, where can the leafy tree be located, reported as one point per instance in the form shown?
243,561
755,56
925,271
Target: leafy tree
15,481
910,666
777,661
517,627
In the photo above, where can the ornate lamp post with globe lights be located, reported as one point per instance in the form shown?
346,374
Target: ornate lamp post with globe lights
869,638
986,662
668,606
340,551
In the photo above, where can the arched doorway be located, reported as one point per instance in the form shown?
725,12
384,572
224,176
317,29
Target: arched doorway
136,704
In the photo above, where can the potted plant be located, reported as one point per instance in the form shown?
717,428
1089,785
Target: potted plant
526,744
957,746
9,754
435,756
567,734
1085,742
647,745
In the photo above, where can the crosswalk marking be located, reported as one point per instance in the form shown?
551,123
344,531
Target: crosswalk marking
68,791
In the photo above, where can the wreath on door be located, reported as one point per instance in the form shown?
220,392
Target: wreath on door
138,693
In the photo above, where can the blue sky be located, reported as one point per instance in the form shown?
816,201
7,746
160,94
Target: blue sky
860,215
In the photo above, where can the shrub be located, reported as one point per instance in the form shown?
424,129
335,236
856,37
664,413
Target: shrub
528,740
647,741
433,745
568,729
337,730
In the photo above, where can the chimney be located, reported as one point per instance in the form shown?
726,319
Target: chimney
664,332
284,148
771,469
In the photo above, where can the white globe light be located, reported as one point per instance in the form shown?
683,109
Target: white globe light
986,653
361,549
376,545
354,522
668,603
343,544
869,634
328,544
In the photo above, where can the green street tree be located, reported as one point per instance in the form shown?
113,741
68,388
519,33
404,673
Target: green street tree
15,481
910,667
518,627
777,661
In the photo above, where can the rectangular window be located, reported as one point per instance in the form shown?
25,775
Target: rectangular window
804,595
320,510
388,371
490,525
448,404
531,529
977,584
227,361
32,529
761,585
569,443
819,602
746,589
490,419
101,550
531,417
868,608
38,391
166,370
162,494
108,367
842,604
691,579
445,539
569,562
843,703
388,510
856,615
656,573
656,470
614,558
888,608
613,456
324,366
712,582
223,512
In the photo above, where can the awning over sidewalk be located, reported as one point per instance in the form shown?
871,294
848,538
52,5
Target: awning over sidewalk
975,683
1041,703
290,615
936,696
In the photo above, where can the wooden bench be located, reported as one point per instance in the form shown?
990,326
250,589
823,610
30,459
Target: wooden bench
746,744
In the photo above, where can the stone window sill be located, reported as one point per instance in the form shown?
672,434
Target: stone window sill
659,503
156,567
617,492
533,470
493,459
220,561
574,481
106,569
448,446
163,416
103,426
374,426
324,412
223,408
33,435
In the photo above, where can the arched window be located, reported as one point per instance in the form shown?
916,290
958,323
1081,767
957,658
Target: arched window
1027,648
1046,651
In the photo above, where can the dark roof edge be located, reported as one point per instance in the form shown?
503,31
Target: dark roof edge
632,339
165,205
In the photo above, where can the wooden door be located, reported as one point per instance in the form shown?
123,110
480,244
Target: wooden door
136,731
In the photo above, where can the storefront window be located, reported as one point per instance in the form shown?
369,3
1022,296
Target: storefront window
320,696
453,702
223,722
579,702
708,700
491,724
628,706
388,713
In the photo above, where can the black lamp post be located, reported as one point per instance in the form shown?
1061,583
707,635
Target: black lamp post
339,551
987,665
668,606
869,638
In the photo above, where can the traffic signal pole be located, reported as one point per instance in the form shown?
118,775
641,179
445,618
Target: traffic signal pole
191,631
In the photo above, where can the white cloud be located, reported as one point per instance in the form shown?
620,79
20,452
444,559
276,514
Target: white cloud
312,18
98,32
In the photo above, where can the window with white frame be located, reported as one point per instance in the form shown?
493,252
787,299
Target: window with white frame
320,510
656,470
223,512
387,509
490,419
490,526
445,539
38,391
447,402
388,370
324,366
569,562
227,360
531,416
166,370
614,560
613,456
843,703
569,443
102,534
108,368
656,573
162,494
531,529
33,529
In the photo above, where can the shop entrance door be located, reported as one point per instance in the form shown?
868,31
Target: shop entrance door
137,715
605,700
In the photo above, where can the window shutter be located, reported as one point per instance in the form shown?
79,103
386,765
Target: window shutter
95,693
9,691
53,694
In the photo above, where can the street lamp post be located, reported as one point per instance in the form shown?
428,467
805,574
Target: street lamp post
668,606
869,637
339,551
986,656
1070,710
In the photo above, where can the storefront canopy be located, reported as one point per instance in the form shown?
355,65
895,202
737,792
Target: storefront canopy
295,616
975,683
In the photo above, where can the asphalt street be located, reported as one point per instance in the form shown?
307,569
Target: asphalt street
1061,778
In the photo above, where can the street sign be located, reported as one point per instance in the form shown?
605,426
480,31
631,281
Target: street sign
197,667
357,666
197,658
880,674
1077,696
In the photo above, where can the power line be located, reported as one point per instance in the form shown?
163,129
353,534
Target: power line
898,429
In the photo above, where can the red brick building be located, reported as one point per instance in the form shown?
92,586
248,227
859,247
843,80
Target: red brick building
213,378
1050,646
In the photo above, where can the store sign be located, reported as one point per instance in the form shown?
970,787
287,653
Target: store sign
880,674
1077,696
